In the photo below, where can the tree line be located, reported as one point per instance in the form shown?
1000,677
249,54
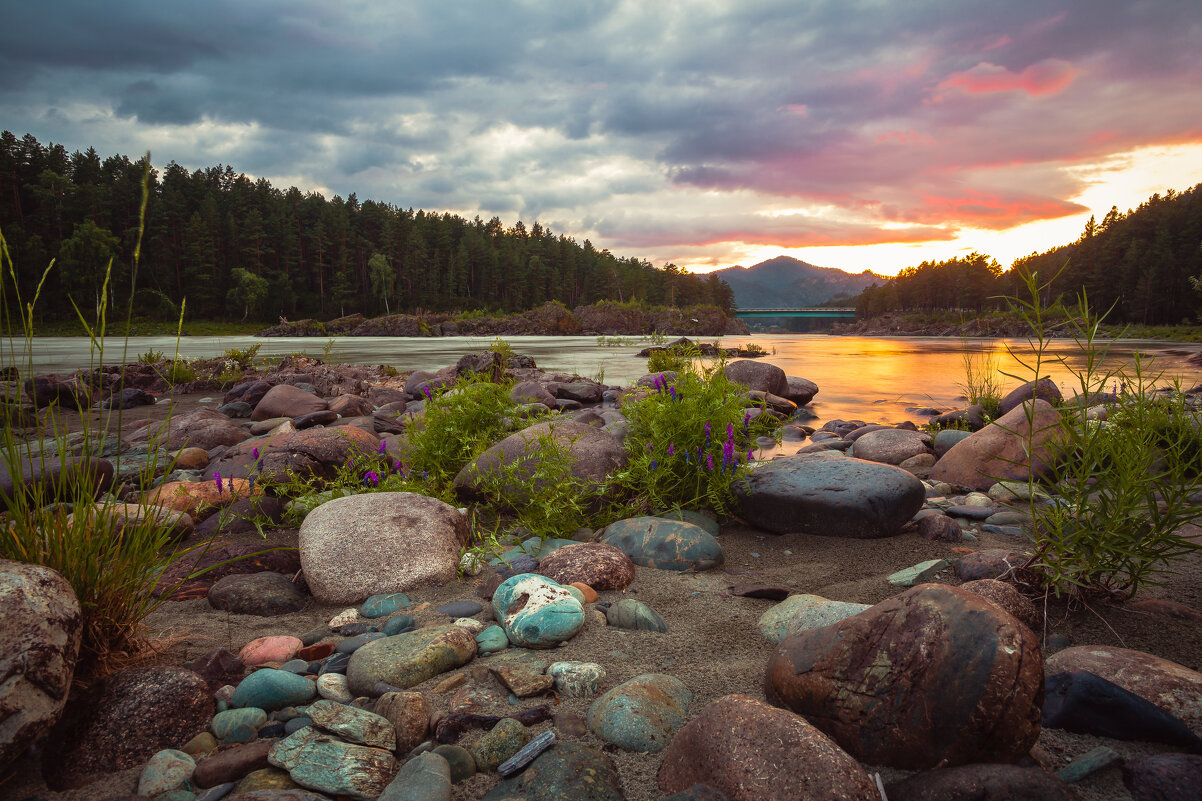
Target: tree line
237,248
1145,266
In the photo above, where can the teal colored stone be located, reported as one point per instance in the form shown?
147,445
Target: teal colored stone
395,625
238,725
491,640
354,725
273,689
919,573
576,679
711,527
664,544
165,771
544,613
576,593
498,745
534,546
641,714
800,612
383,605
636,615
323,763
460,760
426,777
409,659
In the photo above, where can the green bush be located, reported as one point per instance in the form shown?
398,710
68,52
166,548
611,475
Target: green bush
243,356
676,359
151,357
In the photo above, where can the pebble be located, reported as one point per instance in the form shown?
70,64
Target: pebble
460,609
202,744
398,625
342,618
238,725
1089,762
335,664
272,689
641,714
332,687
576,679
460,761
352,644
384,605
279,648
297,666
471,624
296,724
972,512
165,771
501,743
589,595
491,640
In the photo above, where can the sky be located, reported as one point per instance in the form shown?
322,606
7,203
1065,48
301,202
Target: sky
859,135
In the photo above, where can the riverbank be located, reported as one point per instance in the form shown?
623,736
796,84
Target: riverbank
996,324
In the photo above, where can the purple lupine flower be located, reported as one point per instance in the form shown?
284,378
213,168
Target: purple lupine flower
217,478
708,429
671,449
746,421
351,462
656,382
250,482
371,477
397,466
426,390
383,447
648,448
750,455
730,431
728,452
709,462
654,464
663,382
254,454
686,458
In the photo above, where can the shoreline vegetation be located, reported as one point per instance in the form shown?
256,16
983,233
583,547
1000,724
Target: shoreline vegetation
998,324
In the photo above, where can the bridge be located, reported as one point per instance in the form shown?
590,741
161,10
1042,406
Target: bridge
828,312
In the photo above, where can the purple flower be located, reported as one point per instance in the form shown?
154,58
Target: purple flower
686,458
671,449
750,456
254,453
351,462
672,392
709,462
397,466
648,448
250,482
746,421
217,478
426,389
382,448
730,431
654,464
371,477
708,429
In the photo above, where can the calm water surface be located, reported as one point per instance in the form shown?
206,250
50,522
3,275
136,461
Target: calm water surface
877,378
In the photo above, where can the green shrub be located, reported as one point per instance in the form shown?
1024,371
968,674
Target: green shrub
180,372
151,357
982,383
1121,489
676,359
243,356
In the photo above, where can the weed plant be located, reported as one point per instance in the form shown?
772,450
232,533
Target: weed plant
1121,489
981,383
675,359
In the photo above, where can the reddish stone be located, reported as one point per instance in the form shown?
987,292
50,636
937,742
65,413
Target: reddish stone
314,652
602,567
590,595
1010,599
232,765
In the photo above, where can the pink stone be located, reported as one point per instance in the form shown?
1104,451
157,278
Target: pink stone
279,648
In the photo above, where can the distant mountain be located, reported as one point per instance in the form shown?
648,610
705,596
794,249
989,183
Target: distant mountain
785,282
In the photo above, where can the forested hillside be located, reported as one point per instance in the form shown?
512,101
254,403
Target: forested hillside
1140,263
239,248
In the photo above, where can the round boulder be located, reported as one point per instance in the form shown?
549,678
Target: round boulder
266,594
600,566
641,714
999,451
355,547
40,629
755,752
758,375
285,400
936,673
664,544
834,496
801,390
890,445
536,612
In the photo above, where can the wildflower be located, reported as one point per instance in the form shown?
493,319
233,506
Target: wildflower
746,421
686,458
397,466
250,482
382,448
371,477
217,478
730,431
671,449
254,454
709,462
750,456
654,464
426,389
708,429
425,474
657,382
351,462
672,392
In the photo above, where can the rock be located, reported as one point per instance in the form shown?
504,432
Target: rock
350,405
526,754
1162,606
504,740
992,782
273,689
567,772
936,673
536,612
754,752
523,678
458,609
891,445
531,392
410,717
284,454
460,760
758,375
1044,389
600,566
231,765
803,612
203,428
631,614
426,777
972,418
593,455
321,418
40,631
801,390
49,389
1008,598
940,528
1081,702
409,659
170,705
1164,777
265,594
238,725
357,546
825,495
1090,762
919,573
322,763
664,544
641,714
285,400
383,605
199,499
266,780
947,438
55,479
277,648
491,640
999,451
354,725
994,563
165,771
1166,684
218,668
576,679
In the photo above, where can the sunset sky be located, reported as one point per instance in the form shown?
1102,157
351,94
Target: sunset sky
859,135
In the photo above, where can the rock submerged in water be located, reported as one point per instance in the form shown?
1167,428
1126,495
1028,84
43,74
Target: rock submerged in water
935,673
830,496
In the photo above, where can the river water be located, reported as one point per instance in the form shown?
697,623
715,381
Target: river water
871,378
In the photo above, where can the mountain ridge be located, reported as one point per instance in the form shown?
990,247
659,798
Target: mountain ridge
786,282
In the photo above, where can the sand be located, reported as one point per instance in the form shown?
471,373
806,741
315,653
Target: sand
713,643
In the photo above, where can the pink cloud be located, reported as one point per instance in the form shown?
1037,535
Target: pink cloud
1042,78
784,234
990,210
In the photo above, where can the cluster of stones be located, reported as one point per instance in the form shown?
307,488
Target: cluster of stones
948,681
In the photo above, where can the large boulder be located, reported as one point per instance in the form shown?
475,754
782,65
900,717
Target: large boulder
40,629
123,721
312,452
1170,686
536,612
54,478
664,544
758,375
755,752
829,495
380,542
801,390
594,454
934,674
601,566
999,451
890,445
285,400
202,428
1045,389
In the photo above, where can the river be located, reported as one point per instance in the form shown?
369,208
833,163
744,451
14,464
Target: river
876,378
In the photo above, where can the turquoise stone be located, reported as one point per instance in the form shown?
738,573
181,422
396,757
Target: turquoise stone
383,605
238,725
664,544
273,689
397,624
491,640
641,714
543,614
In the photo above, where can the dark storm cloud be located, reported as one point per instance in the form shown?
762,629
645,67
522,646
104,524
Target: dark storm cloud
935,114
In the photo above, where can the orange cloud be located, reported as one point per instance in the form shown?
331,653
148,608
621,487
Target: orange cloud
1043,78
991,211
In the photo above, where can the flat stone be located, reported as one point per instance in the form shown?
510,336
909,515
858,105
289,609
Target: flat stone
265,594
276,648
355,725
238,725
523,680
919,573
409,659
1088,763
803,612
232,764
460,609
322,763
994,782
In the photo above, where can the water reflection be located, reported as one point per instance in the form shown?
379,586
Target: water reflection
874,378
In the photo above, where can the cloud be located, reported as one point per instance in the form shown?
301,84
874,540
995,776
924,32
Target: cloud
1045,78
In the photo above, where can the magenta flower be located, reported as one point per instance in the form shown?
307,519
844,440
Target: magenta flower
709,462
426,389
371,477
382,448
708,429
750,456
671,449
730,431
254,454
217,478
672,392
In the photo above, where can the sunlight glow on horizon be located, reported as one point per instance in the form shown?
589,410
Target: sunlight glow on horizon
1124,180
